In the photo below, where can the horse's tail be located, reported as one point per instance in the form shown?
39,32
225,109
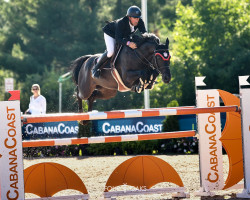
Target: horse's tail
76,66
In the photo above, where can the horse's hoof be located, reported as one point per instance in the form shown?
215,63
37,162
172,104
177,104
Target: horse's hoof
139,88
150,86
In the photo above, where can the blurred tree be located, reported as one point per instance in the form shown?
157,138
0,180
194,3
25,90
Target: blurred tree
210,39
224,34
207,37
48,34
121,7
2,16
50,90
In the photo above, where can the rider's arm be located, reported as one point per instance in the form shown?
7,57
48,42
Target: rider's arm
120,32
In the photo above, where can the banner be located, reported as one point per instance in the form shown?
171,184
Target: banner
128,126
209,127
50,130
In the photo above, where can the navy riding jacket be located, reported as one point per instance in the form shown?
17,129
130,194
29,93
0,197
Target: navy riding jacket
120,29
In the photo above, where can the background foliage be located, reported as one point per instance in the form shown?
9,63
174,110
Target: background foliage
39,39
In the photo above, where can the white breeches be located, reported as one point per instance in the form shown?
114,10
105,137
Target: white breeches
110,45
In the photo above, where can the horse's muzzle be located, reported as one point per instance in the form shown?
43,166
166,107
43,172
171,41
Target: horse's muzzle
166,76
166,79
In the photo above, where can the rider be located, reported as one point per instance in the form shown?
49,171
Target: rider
118,31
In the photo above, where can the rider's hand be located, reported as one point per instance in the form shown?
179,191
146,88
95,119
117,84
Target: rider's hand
132,45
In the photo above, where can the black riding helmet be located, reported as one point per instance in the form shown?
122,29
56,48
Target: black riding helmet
134,11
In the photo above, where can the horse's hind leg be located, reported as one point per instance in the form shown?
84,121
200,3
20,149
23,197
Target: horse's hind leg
80,110
100,93
91,100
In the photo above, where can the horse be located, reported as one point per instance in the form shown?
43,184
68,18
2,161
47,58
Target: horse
138,69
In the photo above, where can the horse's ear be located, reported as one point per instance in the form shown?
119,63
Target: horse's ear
167,42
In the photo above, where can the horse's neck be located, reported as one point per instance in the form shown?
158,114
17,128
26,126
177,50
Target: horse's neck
129,59
147,48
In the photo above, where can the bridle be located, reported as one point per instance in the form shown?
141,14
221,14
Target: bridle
158,54
150,64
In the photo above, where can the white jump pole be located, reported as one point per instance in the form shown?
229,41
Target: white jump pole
245,124
144,9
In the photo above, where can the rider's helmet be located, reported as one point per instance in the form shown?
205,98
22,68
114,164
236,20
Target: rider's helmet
134,11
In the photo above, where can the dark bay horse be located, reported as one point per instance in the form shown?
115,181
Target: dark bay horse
135,66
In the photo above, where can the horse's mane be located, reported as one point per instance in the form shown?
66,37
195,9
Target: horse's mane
151,37
145,37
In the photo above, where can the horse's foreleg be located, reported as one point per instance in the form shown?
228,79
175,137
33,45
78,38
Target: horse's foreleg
152,81
138,79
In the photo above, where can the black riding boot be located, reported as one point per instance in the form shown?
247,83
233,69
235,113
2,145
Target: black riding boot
97,68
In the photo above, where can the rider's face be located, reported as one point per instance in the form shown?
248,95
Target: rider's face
134,21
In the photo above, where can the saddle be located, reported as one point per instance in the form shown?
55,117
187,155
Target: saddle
110,64
121,86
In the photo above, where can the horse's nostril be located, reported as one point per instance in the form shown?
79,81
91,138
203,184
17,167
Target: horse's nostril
167,79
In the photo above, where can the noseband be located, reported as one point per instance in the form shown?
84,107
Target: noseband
156,53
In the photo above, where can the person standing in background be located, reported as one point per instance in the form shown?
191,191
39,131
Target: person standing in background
37,105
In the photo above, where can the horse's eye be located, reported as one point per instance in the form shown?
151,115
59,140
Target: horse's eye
165,54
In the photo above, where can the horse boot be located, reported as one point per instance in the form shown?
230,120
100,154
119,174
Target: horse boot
152,79
96,71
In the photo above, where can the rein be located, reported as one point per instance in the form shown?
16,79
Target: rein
148,62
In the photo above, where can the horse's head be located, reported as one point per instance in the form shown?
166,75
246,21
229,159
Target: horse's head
156,55
162,61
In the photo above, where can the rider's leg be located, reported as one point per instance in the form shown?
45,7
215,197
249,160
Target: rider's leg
97,68
110,44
